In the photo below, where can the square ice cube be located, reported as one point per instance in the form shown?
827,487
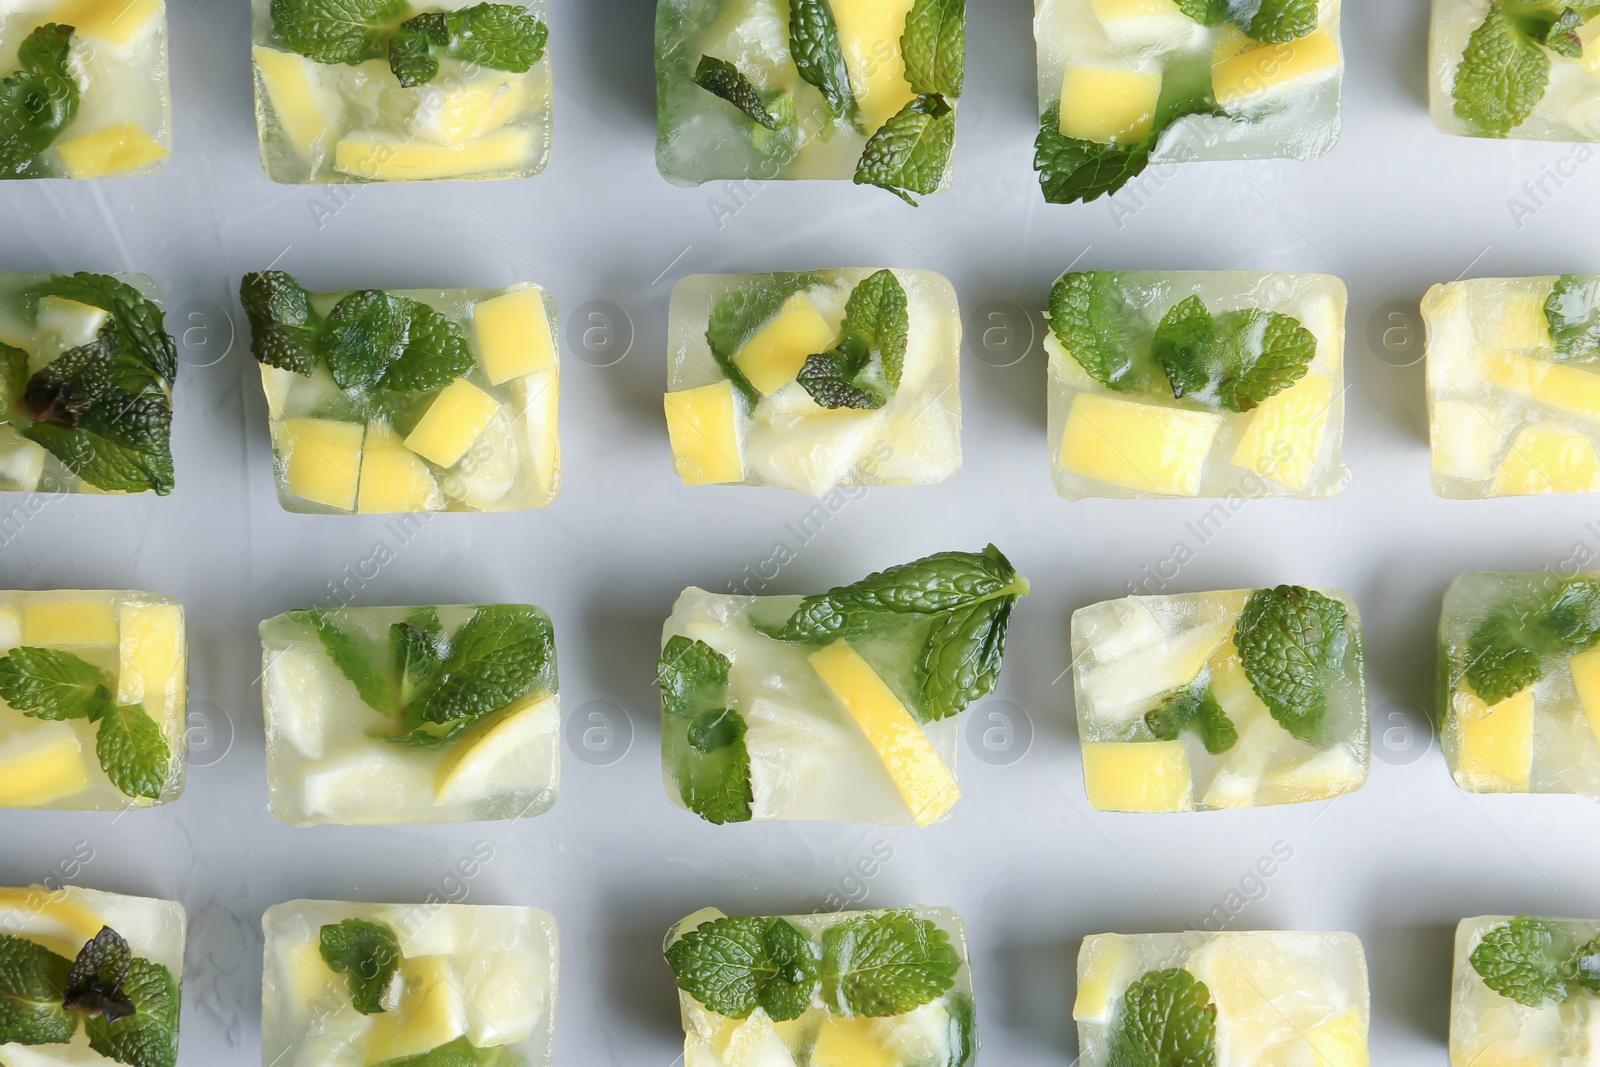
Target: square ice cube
1520,698
93,74
1542,1017
61,923
879,404
114,737
408,401
1513,386
103,320
474,982
410,715
1287,998
1520,80
1184,705
459,94
862,90
1128,83
1197,384
831,1017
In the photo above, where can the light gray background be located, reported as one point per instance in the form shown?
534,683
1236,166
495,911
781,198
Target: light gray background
1395,208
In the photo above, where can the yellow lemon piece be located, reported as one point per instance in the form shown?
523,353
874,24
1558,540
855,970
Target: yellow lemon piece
41,767
453,423
1284,439
1494,745
51,917
537,397
1589,34
1327,774
773,357
68,618
116,150
393,479
432,1012
380,158
869,37
307,979
924,782
1271,68
1137,776
151,654
1585,668
322,460
1340,1042
703,424
1467,439
493,758
309,111
1546,460
1143,447
1110,105
850,1042
72,323
115,21
1520,320
514,336
455,116
1562,387
1103,973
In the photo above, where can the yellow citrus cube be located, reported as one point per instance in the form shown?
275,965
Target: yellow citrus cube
383,158
1138,776
393,479
432,1012
1341,1041
703,424
1563,387
1520,320
486,762
42,766
453,423
322,460
65,618
1111,105
116,150
1585,668
1102,974
924,782
1467,439
115,21
1543,459
850,1042
151,654
1252,74
1285,435
1494,745
308,110
773,357
537,398
513,335
1589,34
869,36
457,115
1144,447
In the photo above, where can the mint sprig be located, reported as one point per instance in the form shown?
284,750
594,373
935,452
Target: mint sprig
38,101
1507,650
1281,21
864,369
367,953
1093,318
1290,639
1503,72
726,82
885,964
338,31
1573,311
1196,709
497,36
1206,12
740,314
461,1053
33,981
818,56
1523,960
1235,360
148,1037
911,152
934,47
735,965
1166,1019
95,984
703,740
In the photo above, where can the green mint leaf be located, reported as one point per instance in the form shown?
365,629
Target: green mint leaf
1072,170
1502,76
721,964
818,56
1289,639
715,730
132,751
877,315
95,983
500,655
461,1053
368,954
703,739
32,983
1196,709
411,57
436,353
1281,21
1206,12
355,657
693,676
149,1037
1093,318
366,333
1562,38
831,378
1186,347
740,315
961,662
497,36
104,463
886,964
1573,311
39,100
1583,968
723,80
1522,960
1167,1019
141,324
418,647
283,328
963,1030
13,378
791,983
911,152
1501,661
338,31
934,47
46,683
1570,621
1234,361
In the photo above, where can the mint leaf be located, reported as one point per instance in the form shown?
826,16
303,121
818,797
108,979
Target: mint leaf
1281,21
814,46
1562,38
693,676
714,730
1073,170
740,315
1196,709
355,657
497,36
702,738
95,983
283,327
723,80
368,954
132,751
141,324
886,964
1507,650
961,663
877,315
1583,968
436,353
32,983
500,655
1234,361
13,378
1500,660
418,647
1206,12
1167,1019
1573,311
39,100
934,47
732,966
1289,639
366,332
46,683
1521,960
105,463
461,1053
1502,76
149,1037
791,984
1093,318
831,378
338,31
911,152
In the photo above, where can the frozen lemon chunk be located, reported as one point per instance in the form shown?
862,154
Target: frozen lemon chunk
484,992
1158,385
446,427
61,618
1180,702
42,766
1103,965
870,33
1526,1020
304,105
1585,668
1276,68
116,21
703,424
773,357
338,747
380,158
115,150
457,115
767,715
1494,751
1111,105
151,650
1544,459
70,322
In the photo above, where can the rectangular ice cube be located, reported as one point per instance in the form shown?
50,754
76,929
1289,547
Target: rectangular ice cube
1220,700
1238,999
408,401
1519,704
460,92
410,715
1488,75
1197,384
347,985
1127,83
816,380
832,707
1513,385
45,932
862,90
829,1004
61,338
1543,1010
93,688
86,88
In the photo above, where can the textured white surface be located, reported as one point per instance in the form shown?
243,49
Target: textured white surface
1396,207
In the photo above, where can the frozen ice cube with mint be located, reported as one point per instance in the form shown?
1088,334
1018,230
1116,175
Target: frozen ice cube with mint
1526,990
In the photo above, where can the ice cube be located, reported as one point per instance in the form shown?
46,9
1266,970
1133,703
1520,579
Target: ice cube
1561,1026
339,747
1144,403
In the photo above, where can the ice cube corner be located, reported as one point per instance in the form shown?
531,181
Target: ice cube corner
1542,1014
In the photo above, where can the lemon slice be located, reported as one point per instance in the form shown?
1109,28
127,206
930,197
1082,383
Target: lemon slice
504,753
